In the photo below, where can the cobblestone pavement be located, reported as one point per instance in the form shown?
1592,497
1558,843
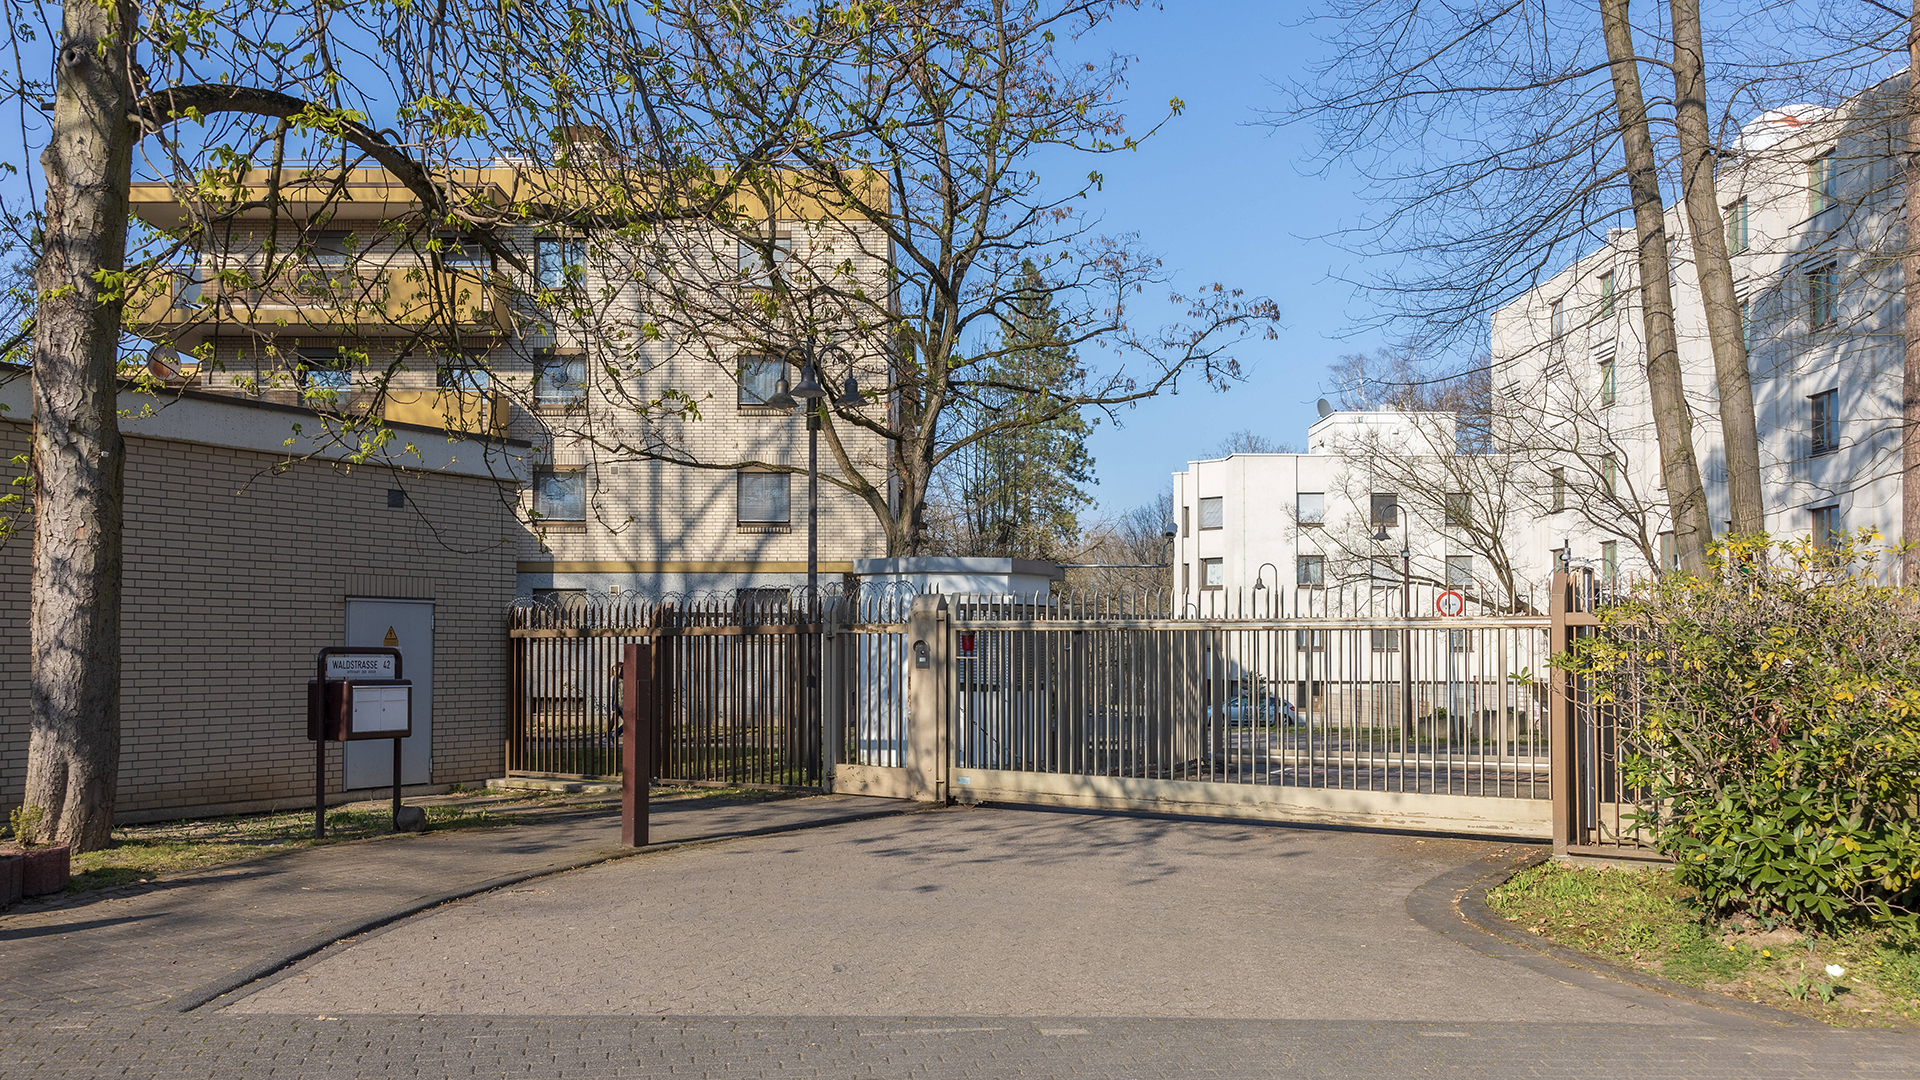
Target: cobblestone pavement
816,953
145,946
202,1046
984,912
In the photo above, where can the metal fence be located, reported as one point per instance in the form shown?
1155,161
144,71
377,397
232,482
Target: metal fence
1334,689
730,674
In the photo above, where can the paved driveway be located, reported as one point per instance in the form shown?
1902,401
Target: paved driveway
984,912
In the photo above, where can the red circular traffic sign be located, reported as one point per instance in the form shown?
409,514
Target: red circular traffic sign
1451,603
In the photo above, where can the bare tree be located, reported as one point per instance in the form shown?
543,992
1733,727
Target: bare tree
1135,544
1248,441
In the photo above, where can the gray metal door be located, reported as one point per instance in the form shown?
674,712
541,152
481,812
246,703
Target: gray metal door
370,763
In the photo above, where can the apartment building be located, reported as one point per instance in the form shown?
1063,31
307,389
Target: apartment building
1813,201
641,362
1311,524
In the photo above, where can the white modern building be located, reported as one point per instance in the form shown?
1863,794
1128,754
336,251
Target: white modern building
1310,524
1813,200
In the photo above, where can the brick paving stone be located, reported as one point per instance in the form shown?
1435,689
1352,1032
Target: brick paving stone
144,946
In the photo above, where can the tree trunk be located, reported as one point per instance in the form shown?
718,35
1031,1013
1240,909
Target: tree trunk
1910,270
73,754
1714,269
1672,423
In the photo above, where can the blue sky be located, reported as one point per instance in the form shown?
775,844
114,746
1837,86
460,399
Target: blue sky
1221,197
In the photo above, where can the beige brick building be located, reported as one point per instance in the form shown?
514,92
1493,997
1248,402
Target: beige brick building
658,466
239,569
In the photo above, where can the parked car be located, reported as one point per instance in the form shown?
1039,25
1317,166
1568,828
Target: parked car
1265,712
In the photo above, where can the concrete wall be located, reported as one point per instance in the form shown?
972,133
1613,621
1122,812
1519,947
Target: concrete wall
236,575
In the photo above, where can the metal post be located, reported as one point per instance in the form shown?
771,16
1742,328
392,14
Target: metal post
320,784
1406,643
815,418
636,744
396,785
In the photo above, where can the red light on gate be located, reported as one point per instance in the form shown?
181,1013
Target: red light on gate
966,644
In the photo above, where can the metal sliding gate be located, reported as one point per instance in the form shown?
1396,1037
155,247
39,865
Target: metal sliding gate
1336,710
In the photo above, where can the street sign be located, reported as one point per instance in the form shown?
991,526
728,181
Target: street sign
1451,603
368,665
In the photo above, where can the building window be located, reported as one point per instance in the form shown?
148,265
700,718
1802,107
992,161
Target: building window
1607,388
559,261
1459,509
1384,508
1610,561
1384,640
322,374
762,263
1737,227
1186,577
1606,294
1559,318
1822,285
763,498
1310,507
1609,475
1310,571
560,495
1826,422
1459,571
759,379
1746,324
465,373
1827,530
1186,521
1213,513
1557,500
1314,640
1822,184
1213,573
1669,552
559,380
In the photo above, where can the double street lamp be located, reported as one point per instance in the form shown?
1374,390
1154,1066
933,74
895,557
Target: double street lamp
809,390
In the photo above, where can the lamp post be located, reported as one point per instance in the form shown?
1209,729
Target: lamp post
1260,581
809,390
1406,613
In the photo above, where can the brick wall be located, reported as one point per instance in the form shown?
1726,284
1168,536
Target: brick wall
235,576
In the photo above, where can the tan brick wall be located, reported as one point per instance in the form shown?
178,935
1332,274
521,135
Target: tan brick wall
235,576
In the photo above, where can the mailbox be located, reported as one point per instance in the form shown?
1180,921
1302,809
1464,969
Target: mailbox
344,709
359,696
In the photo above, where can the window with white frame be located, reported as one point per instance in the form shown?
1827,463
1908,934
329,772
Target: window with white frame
560,494
1826,527
1557,496
465,372
1825,408
1822,184
1213,573
323,373
1310,507
1459,509
1822,284
1610,560
1310,571
763,261
559,261
1610,475
763,498
1558,318
1384,640
1459,571
759,379
559,380
1607,295
1213,513
1384,508
1737,231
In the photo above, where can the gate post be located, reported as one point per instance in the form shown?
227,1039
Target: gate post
833,689
1561,729
927,667
636,743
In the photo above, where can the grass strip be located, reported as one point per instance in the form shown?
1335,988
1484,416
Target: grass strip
1648,920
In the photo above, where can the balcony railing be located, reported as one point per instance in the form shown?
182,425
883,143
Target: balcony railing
359,297
465,412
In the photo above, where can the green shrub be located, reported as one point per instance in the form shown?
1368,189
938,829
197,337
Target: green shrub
1773,706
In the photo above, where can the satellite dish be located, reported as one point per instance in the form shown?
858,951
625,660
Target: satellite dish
163,362
1325,407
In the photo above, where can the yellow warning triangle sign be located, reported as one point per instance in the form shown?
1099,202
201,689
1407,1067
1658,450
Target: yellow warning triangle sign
392,640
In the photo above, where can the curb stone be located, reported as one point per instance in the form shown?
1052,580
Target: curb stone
1455,905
